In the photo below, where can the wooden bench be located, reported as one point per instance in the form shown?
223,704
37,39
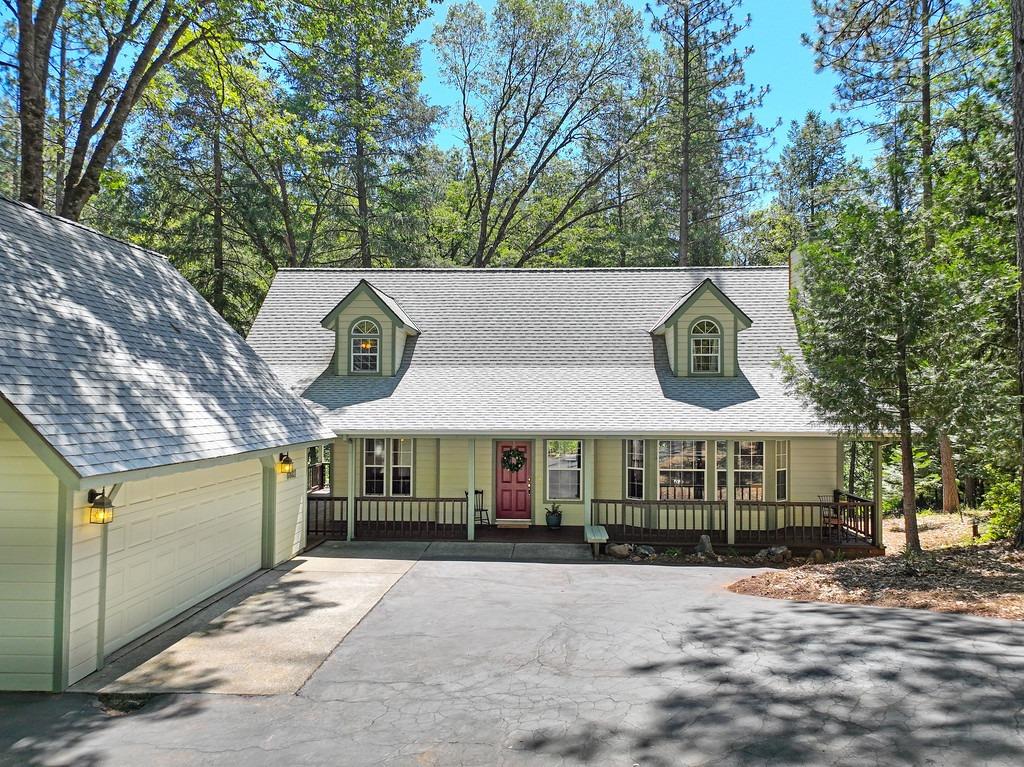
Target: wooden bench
596,536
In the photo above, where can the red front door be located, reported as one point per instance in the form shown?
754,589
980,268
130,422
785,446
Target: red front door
513,487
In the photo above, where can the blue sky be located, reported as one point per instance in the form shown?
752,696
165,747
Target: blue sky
779,60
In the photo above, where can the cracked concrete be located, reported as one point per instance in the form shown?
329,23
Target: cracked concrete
516,663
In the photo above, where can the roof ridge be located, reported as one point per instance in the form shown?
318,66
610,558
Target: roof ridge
80,225
519,270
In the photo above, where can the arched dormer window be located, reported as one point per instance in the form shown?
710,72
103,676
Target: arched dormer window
705,348
365,345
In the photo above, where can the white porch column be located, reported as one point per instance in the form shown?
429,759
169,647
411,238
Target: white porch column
588,478
471,491
876,467
350,516
730,491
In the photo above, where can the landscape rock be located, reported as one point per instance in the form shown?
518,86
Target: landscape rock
704,545
774,554
619,550
816,557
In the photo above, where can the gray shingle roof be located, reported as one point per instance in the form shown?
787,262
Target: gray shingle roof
526,351
119,364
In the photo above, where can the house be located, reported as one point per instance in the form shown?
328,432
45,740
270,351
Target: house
648,401
145,450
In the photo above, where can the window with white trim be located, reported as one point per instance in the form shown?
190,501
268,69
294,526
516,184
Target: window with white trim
401,466
365,344
682,467
387,465
635,469
375,458
705,347
749,471
565,469
781,470
721,470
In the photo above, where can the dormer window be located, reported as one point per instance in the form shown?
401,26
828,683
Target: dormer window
705,347
365,345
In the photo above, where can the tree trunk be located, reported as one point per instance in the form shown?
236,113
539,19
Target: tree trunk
851,485
684,170
362,192
950,491
907,454
62,121
1017,13
926,123
35,40
218,226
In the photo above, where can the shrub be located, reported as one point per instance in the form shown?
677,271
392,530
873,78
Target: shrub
1003,501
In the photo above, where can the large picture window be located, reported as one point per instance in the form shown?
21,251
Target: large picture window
749,471
682,466
365,347
387,464
374,466
781,470
635,469
565,469
705,347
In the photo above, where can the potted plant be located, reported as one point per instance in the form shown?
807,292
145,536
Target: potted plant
553,516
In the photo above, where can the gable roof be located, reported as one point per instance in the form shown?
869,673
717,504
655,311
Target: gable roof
524,351
680,306
112,358
387,304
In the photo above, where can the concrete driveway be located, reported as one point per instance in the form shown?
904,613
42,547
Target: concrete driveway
509,663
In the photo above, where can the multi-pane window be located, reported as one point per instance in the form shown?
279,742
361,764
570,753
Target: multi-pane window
682,464
781,470
565,467
365,347
374,466
387,463
635,469
749,471
401,467
705,347
721,470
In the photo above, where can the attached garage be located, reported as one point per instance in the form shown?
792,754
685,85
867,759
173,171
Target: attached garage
119,382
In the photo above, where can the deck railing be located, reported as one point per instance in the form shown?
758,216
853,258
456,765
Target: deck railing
411,517
662,521
326,517
793,523
805,522
317,476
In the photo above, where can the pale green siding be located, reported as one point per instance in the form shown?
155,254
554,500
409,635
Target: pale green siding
707,305
28,551
290,510
609,465
364,306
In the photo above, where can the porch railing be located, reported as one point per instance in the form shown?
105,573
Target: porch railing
805,522
411,517
326,517
662,521
317,476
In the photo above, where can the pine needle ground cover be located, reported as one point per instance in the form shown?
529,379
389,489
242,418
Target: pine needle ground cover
985,579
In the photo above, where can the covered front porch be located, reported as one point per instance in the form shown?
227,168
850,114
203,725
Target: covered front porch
670,491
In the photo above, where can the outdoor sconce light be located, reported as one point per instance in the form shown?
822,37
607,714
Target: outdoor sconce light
285,465
101,508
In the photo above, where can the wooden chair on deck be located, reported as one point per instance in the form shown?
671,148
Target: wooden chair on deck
831,519
480,515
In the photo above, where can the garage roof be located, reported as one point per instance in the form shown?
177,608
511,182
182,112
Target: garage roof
111,357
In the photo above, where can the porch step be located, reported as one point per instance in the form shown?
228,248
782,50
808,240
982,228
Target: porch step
512,523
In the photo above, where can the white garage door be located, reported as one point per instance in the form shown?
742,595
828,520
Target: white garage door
175,541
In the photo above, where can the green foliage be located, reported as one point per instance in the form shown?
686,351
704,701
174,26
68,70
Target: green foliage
1003,501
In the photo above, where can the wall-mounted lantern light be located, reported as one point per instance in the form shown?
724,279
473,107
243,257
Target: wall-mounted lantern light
285,465
101,508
